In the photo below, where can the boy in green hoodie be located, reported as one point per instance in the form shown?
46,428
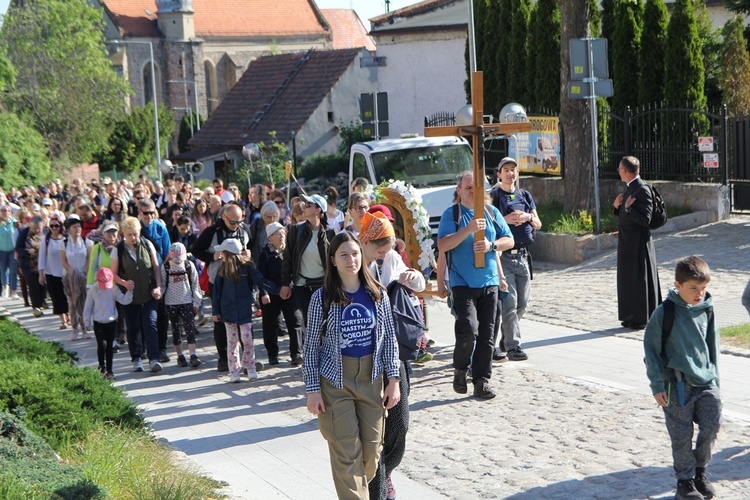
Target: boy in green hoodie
682,367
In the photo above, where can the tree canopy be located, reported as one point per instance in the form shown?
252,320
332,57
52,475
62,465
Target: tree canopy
64,83
23,153
653,49
734,72
627,44
684,71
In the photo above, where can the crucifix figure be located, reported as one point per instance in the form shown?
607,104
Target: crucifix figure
478,131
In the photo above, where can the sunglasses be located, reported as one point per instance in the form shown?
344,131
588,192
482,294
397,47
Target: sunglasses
148,213
55,226
279,202
233,222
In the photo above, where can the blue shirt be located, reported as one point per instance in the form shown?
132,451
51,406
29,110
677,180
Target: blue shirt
462,271
358,325
158,234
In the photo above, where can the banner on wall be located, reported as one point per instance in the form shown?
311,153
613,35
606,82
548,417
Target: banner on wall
538,151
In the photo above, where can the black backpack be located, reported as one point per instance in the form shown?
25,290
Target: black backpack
408,320
658,209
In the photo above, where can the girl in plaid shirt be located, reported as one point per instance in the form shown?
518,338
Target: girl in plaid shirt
350,344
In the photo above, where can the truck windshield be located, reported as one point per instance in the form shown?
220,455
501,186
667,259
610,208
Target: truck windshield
423,167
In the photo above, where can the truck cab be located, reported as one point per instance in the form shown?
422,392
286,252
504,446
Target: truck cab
430,164
545,154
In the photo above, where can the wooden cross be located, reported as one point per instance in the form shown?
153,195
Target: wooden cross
478,131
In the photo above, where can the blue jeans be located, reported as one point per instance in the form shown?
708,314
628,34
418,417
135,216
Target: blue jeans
8,270
141,323
512,309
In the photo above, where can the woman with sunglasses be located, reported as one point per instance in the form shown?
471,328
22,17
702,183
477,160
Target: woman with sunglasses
51,269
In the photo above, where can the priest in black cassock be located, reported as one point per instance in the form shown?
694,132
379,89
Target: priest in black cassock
638,291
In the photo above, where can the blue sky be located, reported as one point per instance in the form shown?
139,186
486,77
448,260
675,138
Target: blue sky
4,6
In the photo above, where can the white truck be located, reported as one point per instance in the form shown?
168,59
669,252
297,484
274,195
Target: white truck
430,164
545,154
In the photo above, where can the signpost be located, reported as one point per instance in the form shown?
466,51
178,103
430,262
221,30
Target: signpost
589,74
478,131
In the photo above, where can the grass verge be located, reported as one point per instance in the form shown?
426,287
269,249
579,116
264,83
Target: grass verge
67,433
738,336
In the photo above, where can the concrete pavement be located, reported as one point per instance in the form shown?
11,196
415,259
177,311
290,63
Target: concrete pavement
574,421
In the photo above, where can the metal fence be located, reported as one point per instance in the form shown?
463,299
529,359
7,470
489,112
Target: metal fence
440,119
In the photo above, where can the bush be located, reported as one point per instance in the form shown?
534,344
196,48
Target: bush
324,166
61,402
31,469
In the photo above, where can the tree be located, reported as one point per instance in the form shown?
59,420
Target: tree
185,132
23,154
480,12
517,52
626,46
575,124
683,81
595,19
65,85
130,147
608,25
710,38
532,103
734,72
653,49
494,60
547,71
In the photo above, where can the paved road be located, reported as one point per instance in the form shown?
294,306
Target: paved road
575,421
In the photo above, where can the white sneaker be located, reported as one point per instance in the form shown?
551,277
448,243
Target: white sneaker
234,379
252,375
6,292
155,366
37,312
137,365
13,296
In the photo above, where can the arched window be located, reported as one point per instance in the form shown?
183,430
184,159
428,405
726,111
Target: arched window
147,88
212,100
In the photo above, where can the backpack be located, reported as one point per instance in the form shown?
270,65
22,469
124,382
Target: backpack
668,321
408,320
658,209
189,270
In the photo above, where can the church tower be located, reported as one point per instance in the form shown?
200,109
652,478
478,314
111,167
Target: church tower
176,19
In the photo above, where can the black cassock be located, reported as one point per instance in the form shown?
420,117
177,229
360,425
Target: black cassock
638,291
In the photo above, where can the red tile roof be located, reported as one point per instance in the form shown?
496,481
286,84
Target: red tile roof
275,94
347,29
224,18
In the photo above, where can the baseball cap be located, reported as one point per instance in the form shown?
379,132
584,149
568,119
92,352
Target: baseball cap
104,278
177,252
231,245
382,209
317,199
46,202
109,225
273,227
505,161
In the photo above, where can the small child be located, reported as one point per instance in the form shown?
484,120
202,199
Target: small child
182,296
101,307
232,303
682,366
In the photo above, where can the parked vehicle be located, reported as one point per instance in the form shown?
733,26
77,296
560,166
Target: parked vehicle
545,154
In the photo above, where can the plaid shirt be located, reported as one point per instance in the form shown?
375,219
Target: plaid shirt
324,360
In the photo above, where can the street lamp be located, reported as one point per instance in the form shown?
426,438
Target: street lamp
195,95
153,92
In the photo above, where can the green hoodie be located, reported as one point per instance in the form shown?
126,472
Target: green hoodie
691,348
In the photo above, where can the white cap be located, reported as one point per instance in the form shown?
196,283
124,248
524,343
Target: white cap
231,245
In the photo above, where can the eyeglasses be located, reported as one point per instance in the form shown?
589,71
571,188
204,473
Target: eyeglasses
279,202
362,208
233,222
151,214
55,226
139,199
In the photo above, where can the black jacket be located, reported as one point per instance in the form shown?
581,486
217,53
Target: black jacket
297,240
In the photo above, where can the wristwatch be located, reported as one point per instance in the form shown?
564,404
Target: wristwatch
494,247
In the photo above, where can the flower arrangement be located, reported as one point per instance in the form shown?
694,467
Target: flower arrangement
421,220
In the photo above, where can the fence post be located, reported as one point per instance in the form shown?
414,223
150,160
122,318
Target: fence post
724,145
628,132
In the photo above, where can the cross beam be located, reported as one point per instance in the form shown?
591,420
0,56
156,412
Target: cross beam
478,131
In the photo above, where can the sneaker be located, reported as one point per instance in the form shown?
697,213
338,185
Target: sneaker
498,355
423,357
13,296
702,484
459,381
115,346
85,335
234,379
252,375
155,366
109,376
297,360
222,366
391,490
138,365
163,357
686,490
74,335
181,361
430,343
482,389
259,366
273,361
37,312
517,354
194,361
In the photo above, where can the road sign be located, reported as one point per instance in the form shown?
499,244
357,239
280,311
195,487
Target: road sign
579,58
582,90
711,160
705,143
